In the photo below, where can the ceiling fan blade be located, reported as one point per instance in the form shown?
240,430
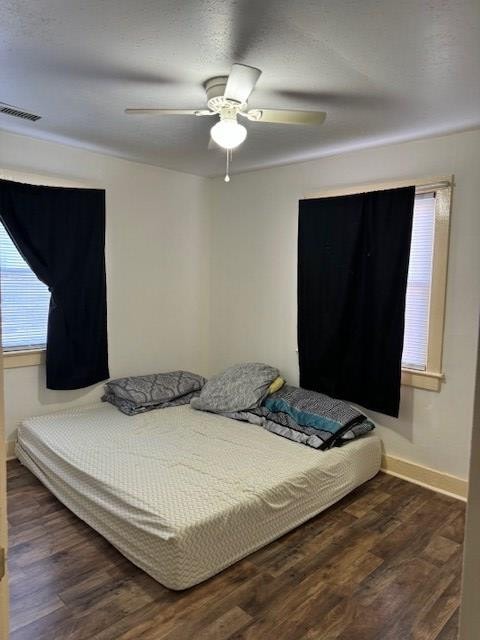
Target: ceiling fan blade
286,116
169,112
241,82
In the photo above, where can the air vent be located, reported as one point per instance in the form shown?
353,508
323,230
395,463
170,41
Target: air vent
18,113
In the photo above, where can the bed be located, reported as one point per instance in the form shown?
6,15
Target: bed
183,493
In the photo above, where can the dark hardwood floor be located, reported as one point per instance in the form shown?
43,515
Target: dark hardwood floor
383,564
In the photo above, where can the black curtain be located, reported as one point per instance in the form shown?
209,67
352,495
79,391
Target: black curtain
353,254
60,233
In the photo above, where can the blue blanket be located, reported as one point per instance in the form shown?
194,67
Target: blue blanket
310,418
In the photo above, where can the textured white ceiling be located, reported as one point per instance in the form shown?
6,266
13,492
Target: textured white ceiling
384,70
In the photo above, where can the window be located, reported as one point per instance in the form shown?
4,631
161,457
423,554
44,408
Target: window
24,300
427,277
426,288
415,342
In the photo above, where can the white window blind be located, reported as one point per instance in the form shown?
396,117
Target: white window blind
415,343
24,300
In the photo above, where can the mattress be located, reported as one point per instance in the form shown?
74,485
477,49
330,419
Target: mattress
182,493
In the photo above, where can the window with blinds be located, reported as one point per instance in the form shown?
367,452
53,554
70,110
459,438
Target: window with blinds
25,300
419,284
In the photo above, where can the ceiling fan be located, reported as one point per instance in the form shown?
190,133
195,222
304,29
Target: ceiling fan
227,97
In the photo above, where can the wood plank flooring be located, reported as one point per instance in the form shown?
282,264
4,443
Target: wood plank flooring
382,564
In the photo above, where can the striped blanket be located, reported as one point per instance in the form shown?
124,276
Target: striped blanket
309,418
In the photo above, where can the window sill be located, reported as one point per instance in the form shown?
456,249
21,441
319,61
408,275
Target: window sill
422,379
27,358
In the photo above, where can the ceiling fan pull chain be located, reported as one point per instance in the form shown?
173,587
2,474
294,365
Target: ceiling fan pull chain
229,158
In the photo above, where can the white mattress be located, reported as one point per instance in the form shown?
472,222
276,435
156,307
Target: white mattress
184,494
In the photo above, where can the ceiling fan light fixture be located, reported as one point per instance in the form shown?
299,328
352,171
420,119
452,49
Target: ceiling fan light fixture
228,133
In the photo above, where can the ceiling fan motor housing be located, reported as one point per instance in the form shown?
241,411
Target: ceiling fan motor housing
216,101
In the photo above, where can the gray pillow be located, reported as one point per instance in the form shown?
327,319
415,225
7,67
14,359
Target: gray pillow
154,388
238,388
131,408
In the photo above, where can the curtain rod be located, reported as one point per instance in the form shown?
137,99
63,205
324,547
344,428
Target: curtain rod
424,185
434,186
38,179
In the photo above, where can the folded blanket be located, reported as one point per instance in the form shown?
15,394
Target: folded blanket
137,394
308,417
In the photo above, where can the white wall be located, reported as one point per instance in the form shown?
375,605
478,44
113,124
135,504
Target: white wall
157,269
173,238
254,270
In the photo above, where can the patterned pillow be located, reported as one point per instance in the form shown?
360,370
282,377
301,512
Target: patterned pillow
132,409
238,388
141,392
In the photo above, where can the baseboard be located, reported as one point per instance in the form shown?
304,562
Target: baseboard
426,477
11,450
